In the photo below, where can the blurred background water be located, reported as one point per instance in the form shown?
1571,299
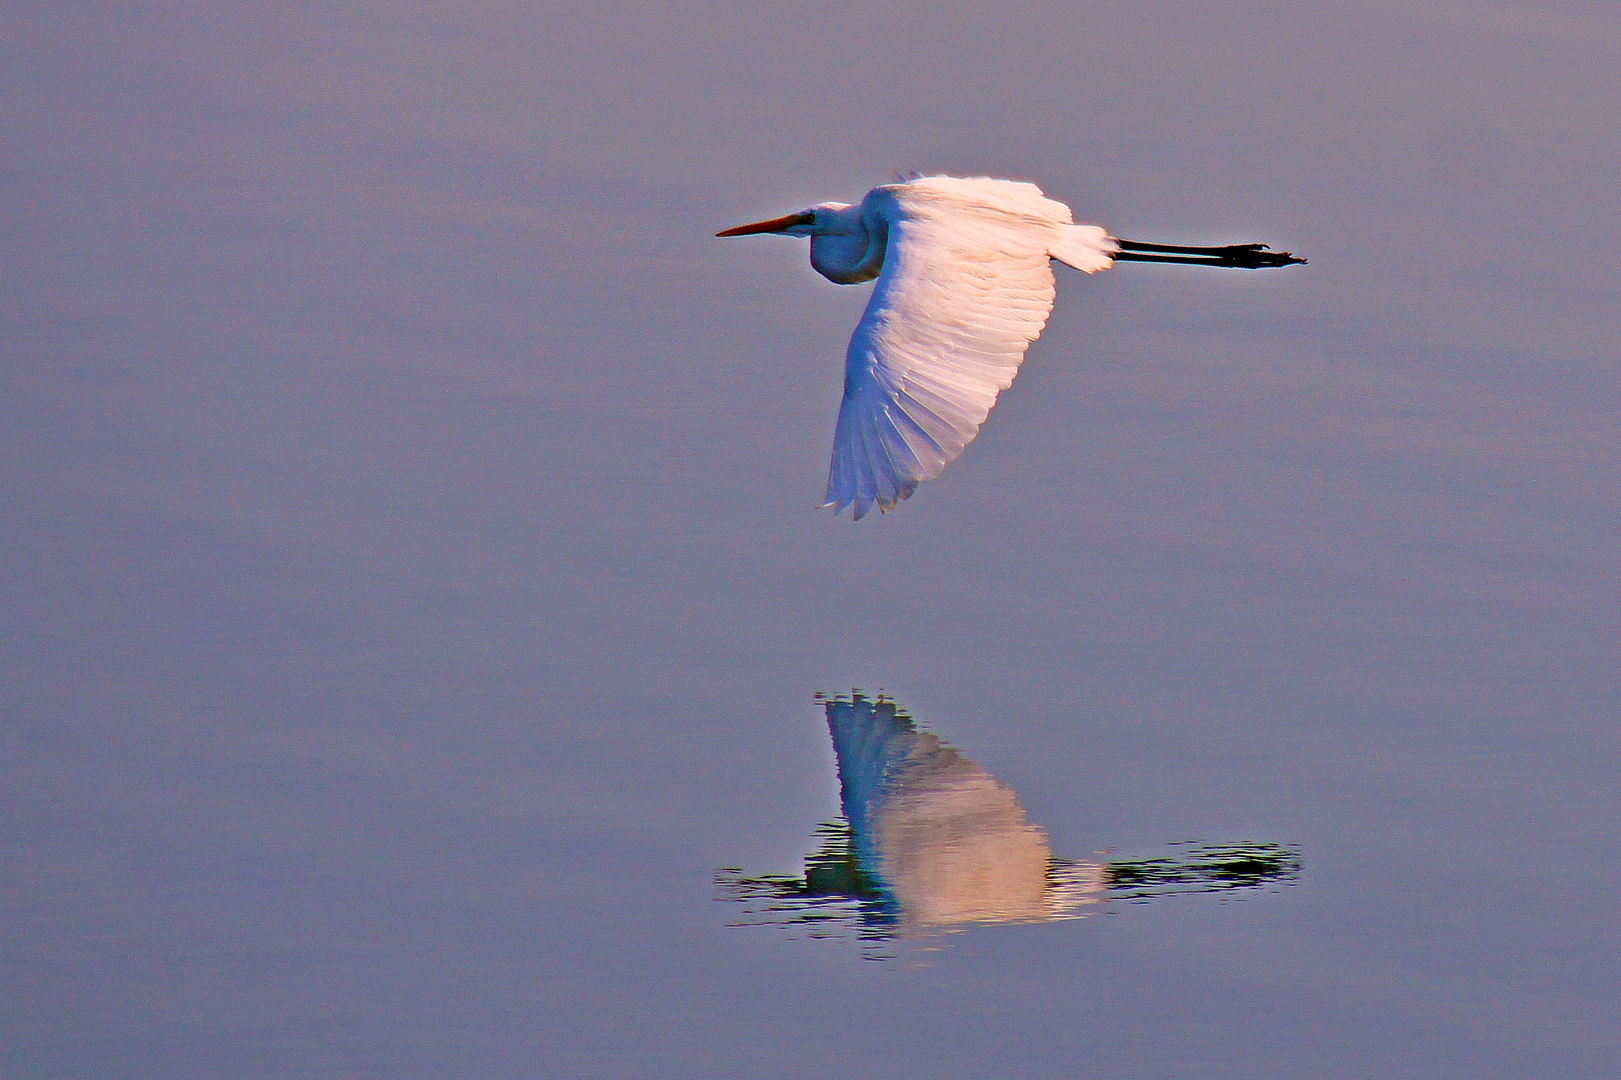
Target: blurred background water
414,592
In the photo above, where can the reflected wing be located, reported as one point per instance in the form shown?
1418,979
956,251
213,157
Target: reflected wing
967,285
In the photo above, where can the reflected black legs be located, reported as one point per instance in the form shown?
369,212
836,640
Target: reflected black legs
1239,256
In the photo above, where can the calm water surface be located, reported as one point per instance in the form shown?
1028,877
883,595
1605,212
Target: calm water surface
414,598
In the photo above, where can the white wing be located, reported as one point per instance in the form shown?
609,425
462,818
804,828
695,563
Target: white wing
967,285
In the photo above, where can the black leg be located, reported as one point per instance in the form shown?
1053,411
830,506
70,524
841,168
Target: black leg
1240,256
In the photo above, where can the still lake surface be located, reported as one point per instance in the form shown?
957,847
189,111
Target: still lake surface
415,609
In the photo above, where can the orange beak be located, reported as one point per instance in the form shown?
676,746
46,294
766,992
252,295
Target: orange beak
774,225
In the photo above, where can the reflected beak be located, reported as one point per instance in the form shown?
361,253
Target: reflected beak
774,225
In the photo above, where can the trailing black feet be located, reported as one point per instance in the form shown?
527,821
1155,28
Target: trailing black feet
1238,256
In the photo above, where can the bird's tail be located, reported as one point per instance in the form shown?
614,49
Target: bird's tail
1085,247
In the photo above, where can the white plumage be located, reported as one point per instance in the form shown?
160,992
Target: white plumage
965,284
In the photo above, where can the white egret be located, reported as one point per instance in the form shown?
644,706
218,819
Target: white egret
965,284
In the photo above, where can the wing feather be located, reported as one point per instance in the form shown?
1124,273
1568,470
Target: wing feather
966,286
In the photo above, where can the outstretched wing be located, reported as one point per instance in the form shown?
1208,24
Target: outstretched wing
967,285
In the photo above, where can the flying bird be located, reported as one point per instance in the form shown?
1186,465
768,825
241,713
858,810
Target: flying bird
965,284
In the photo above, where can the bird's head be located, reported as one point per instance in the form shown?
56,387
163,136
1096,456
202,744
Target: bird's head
823,219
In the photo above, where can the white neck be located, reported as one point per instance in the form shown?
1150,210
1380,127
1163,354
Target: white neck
847,246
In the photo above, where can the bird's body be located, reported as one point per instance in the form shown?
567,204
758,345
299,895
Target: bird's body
964,285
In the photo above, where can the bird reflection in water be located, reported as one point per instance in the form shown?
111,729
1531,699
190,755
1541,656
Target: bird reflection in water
930,842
